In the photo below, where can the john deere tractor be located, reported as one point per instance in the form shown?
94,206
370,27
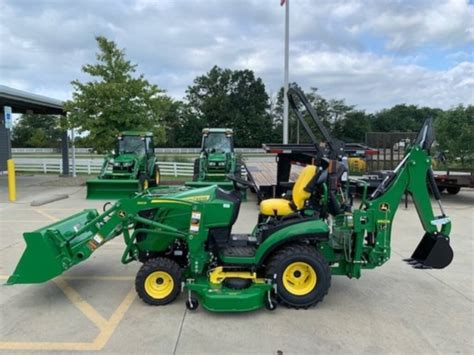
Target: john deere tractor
216,160
185,241
131,168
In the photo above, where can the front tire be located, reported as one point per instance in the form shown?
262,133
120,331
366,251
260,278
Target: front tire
302,275
158,282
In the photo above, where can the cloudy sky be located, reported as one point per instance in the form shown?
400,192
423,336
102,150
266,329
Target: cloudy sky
373,53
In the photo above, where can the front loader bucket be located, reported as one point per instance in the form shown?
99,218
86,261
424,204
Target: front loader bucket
111,189
433,251
55,248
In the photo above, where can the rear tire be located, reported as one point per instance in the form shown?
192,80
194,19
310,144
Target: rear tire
196,170
158,282
453,190
302,275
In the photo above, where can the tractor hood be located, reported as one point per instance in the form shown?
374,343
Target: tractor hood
124,158
217,157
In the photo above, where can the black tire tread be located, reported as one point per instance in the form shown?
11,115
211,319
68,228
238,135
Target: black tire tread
155,264
298,249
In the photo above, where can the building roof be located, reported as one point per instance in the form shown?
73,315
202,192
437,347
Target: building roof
25,102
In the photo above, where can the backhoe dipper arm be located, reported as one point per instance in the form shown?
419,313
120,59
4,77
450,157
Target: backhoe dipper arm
374,219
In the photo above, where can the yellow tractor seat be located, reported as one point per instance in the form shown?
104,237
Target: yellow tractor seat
283,207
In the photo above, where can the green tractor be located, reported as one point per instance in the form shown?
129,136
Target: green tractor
131,168
185,241
216,160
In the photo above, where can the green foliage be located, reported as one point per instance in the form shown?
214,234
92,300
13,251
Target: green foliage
36,131
455,134
333,113
402,118
353,128
233,99
115,99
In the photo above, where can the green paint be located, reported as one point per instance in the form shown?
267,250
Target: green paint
153,223
134,156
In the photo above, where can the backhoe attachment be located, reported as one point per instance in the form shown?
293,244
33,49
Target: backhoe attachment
433,251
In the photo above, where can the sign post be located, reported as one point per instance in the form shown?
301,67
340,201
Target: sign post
7,114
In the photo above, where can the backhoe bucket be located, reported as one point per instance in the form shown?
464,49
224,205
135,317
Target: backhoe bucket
433,251
55,248
111,189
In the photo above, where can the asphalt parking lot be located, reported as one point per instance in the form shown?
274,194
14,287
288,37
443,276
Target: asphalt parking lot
93,306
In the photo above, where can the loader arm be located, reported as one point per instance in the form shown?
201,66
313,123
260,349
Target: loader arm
61,245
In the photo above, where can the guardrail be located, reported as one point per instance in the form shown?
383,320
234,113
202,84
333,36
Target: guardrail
93,166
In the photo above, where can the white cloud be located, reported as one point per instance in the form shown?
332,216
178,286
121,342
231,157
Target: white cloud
174,41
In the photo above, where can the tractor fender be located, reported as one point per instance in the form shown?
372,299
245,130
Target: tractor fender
307,230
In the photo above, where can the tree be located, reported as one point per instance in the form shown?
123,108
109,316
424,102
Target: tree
36,131
455,133
233,99
115,99
402,118
353,127
332,113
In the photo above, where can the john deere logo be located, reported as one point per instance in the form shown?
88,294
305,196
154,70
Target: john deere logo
384,207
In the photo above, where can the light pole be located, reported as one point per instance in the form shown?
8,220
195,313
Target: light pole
285,85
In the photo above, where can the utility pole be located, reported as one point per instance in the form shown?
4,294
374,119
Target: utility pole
285,86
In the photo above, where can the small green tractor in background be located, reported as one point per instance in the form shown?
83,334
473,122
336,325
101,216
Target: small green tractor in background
216,160
184,240
131,168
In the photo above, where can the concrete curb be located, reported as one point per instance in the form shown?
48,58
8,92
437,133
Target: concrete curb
48,199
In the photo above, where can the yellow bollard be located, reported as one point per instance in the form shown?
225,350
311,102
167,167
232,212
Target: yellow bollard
11,180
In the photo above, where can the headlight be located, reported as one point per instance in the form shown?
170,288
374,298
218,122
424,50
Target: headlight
221,163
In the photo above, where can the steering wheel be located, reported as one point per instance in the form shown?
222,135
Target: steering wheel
239,183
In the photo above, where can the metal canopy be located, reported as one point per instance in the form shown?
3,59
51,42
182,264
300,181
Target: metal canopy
26,102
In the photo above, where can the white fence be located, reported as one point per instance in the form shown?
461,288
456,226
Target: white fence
157,150
93,166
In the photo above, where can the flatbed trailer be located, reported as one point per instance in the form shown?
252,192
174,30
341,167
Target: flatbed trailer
453,181
273,178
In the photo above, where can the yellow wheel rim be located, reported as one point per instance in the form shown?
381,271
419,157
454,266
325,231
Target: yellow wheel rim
299,278
157,177
159,284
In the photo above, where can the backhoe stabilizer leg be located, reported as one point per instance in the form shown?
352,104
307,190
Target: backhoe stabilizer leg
433,251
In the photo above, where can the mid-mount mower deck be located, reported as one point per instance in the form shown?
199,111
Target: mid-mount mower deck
185,240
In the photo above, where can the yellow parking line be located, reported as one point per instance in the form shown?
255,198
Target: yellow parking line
22,220
107,327
115,319
47,215
81,304
10,345
99,278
